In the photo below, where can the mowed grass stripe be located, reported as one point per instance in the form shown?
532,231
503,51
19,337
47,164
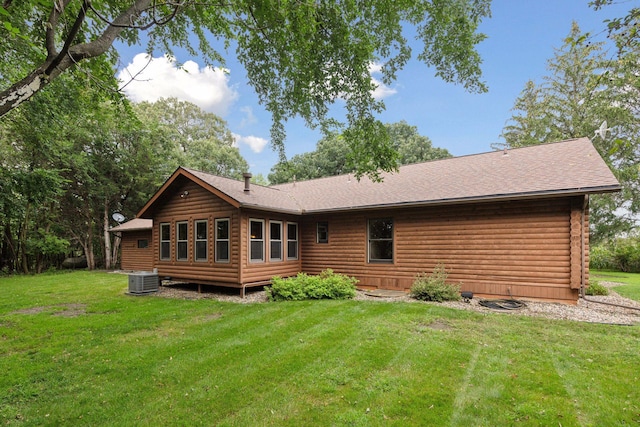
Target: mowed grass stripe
148,360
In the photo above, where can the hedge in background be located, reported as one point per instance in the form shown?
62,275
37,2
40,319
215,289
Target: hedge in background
621,254
327,285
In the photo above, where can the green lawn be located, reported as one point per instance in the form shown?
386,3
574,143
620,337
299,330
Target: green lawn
629,282
75,350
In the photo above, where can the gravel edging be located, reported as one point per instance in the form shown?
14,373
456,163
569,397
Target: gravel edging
583,311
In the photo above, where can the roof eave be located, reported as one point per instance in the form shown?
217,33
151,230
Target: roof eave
476,199
256,207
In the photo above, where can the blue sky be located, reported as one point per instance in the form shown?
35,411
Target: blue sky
522,36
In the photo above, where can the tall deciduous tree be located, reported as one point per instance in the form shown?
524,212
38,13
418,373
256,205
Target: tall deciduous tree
584,92
332,155
200,140
300,56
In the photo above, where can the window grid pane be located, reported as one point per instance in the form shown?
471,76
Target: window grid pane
275,241
182,253
165,241
256,239
202,241
292,241
381,240
323,232
222,240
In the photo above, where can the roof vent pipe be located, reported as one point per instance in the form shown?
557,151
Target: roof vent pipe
247,182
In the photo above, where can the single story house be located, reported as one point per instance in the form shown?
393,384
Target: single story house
503,223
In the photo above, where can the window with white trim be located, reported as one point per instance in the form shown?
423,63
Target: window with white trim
165,241
275,241
380,236
222,240
201,240
256,240
292,240
182,241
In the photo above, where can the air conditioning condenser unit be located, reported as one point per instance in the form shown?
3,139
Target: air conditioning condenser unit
143,283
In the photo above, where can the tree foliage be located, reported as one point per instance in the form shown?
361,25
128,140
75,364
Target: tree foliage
300,56
65,171
200,140
624,30
331,156
585,91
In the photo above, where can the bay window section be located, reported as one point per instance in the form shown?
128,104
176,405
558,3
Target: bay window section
380,236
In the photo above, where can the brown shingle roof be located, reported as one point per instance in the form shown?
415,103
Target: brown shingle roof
562,168
259,197
568,167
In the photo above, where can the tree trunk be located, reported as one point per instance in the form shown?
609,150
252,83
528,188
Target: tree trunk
22,241
107,238
116,249
8,254
58,62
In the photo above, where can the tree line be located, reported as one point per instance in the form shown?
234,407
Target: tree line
77,151
66,170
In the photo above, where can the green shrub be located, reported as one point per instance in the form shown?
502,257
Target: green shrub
622,254
601,257
327,285
596,288
627,255
433,287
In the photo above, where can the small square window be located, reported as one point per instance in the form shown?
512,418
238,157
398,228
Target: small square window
143,243
323,232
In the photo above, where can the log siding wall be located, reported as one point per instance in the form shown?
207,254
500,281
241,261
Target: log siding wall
531,248
525,248
134,258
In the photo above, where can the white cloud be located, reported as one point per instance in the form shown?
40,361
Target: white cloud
249,117
255,143
160,77
382,90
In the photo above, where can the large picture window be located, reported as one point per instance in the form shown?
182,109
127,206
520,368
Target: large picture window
380,240
292,240
222,240
165,241
256,240
202,240
275,241
182,241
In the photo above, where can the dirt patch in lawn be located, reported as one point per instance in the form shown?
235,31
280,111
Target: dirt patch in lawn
61,310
